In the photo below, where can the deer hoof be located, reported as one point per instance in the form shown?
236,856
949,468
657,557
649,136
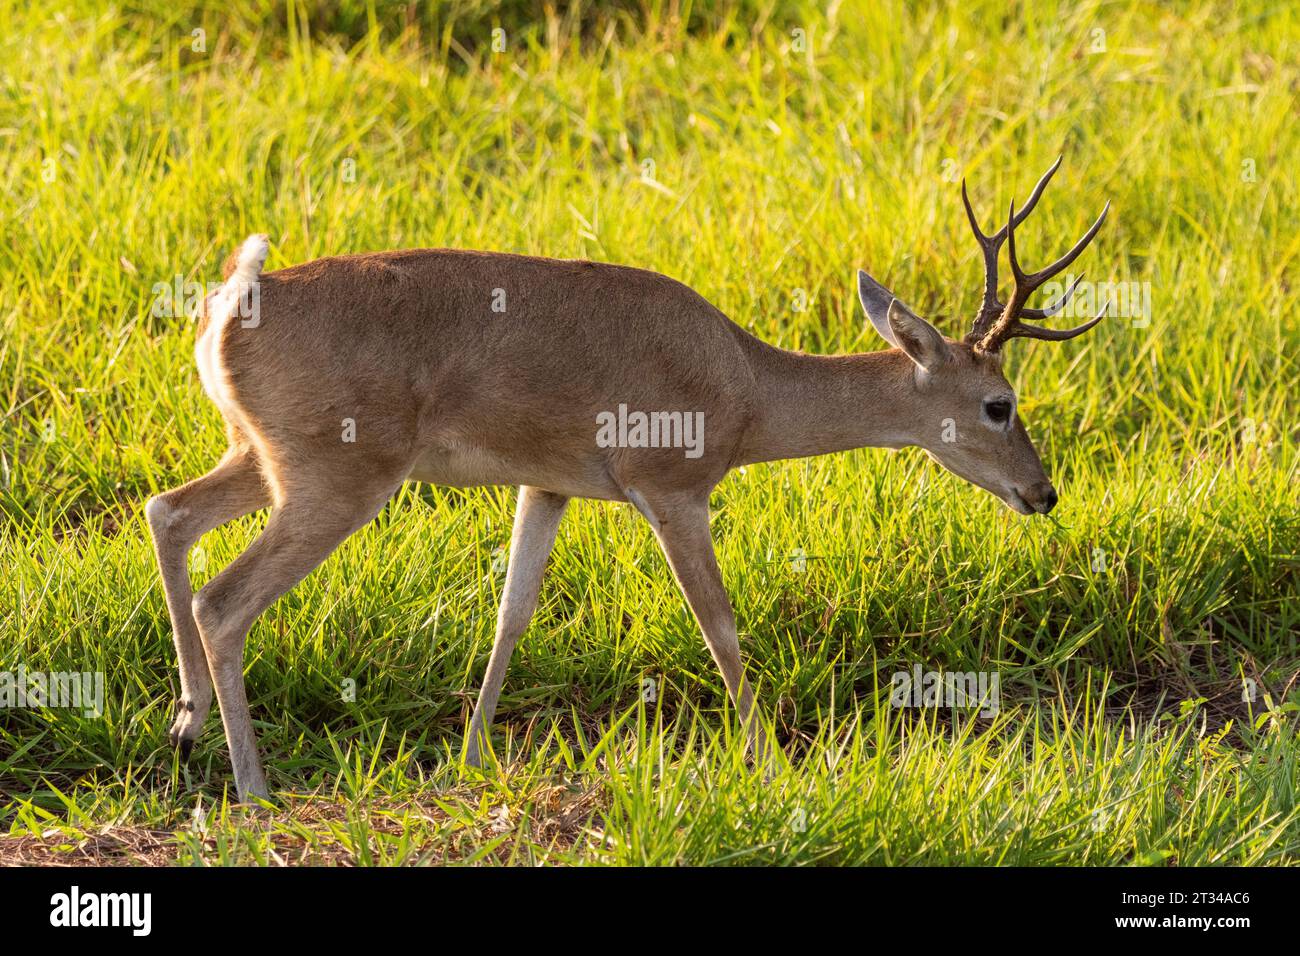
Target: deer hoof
186,729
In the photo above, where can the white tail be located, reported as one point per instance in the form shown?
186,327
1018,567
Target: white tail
249,260
242,271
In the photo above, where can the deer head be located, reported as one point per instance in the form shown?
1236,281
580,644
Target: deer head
975,432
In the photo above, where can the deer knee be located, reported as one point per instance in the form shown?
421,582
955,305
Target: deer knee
205,613
163,518
172,525
220,642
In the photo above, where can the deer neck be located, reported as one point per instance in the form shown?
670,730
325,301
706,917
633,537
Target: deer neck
818,404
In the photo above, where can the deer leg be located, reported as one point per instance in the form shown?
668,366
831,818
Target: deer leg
301,532
177,519
537,518
683,531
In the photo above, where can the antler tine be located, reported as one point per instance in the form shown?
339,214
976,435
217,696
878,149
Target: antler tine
1032,201
1024,330
1047,311
1016,272
1042,275
970,215
989,245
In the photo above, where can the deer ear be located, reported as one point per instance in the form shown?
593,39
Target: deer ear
875,299
917,337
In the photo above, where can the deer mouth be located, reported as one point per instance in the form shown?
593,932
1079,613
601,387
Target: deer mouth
1018,504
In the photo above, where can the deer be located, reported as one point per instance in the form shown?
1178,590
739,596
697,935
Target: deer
466,369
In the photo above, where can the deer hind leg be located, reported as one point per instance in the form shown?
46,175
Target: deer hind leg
310,521
177,519
537,518
682,526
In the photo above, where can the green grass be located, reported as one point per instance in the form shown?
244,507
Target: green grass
703,146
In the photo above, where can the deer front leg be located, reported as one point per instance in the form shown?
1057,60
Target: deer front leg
682,527
177,519
537,518
299,535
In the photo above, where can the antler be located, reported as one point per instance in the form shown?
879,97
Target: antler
996,322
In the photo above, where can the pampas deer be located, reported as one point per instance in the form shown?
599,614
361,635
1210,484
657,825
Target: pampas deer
470,368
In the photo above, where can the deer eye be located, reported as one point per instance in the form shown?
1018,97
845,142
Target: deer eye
998,410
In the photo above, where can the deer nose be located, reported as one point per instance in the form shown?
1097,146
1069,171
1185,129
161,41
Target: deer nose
1041,497
1046,498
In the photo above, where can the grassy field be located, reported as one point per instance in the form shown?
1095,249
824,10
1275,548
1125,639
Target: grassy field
1145,641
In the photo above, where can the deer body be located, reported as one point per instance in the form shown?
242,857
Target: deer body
455,393
460,368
